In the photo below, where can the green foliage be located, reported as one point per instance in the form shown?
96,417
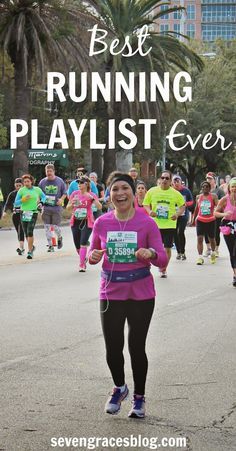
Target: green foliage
213,107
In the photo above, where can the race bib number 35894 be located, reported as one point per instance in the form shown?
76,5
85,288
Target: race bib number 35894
121,247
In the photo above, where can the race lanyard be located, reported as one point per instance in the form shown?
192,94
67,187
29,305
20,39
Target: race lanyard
162,211
121,247
205,208
80,213
27,216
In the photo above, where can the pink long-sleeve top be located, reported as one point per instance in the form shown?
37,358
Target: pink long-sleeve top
148,236
83,201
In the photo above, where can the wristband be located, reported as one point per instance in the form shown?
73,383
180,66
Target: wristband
154,253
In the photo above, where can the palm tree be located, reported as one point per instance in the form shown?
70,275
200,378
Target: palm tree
125,18
37,35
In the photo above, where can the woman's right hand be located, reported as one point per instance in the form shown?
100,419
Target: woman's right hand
96,255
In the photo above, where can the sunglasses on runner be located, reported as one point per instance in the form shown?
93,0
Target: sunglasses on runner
165,178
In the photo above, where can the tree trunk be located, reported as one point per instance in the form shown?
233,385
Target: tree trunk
124,160
97,162
22,111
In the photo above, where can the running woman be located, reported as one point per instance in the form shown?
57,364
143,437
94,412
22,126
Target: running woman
226,210
164,204
204,213
81,172
211,178
180,240
55,191
141,191
28,198
16,219
128,242
82,219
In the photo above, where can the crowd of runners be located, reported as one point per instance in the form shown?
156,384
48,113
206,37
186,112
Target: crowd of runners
170,203
129,228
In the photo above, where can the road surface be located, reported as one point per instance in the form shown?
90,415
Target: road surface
54,379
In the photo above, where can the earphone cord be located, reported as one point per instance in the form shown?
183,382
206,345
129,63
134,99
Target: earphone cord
109,280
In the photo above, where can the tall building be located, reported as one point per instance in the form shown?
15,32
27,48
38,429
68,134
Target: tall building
205,20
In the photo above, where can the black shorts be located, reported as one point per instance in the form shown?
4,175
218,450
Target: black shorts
206,228
167,237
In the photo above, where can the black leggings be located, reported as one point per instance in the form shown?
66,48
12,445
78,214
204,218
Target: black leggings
180,240
80,232
231,244
217,233
138,315
16,219
28,226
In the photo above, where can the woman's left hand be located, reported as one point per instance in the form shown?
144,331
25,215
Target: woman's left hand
143,254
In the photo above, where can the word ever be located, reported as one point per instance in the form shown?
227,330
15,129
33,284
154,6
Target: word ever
193,143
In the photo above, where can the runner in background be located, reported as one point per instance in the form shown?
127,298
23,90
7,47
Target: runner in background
211,178
205,220
225,185
164,204
180,240
82,219
16,219
140,193
94,178
28,198
128,242
55,191
134,174
81,172
226,212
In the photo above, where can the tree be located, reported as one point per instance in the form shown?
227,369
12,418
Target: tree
125,18
37,35
3,129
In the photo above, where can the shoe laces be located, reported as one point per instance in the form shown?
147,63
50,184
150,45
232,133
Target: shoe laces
138,402
116,394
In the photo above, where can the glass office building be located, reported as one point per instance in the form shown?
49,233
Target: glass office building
206,20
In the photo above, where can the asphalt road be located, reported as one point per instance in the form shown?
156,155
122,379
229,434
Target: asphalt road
54,379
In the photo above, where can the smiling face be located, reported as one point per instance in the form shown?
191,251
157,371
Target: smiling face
122,196
232,188
206,188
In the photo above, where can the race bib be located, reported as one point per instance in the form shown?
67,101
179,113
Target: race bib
94,208
80,213
185,208
121,247
51,200
205,208
162,211
27,216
